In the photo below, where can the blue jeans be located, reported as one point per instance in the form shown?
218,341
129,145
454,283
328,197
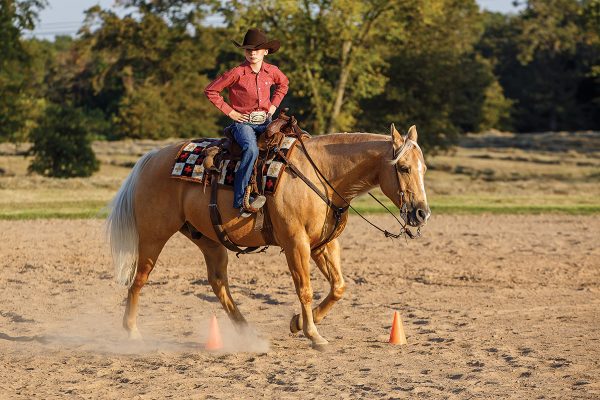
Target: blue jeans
245,135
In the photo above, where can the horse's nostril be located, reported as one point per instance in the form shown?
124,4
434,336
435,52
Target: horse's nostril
421,215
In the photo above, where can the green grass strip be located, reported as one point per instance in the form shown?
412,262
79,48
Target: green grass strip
45,210
90,209
49,214
100,213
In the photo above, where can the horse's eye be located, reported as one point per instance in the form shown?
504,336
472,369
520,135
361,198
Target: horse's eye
404,169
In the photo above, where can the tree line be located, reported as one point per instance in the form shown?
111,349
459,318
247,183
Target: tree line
444,65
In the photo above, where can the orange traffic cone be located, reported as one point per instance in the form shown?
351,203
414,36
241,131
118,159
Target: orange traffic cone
397,335
214,341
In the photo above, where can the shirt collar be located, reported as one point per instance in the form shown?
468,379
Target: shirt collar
248,70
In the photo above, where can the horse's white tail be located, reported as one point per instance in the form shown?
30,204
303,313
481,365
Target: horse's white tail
121,228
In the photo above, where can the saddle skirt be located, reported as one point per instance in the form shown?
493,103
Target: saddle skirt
190,163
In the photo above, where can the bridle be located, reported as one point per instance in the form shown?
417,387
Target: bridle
403,200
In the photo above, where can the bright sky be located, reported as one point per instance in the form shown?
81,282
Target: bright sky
64,17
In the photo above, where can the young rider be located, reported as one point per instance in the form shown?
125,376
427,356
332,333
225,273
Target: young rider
252,105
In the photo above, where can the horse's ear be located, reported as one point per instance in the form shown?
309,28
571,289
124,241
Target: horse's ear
412,133
396,136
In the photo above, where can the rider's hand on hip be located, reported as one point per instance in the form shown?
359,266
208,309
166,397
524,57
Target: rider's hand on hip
239,117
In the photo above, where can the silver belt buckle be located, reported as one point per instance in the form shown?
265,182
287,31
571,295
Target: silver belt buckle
258,117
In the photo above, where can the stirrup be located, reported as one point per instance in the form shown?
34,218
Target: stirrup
256,203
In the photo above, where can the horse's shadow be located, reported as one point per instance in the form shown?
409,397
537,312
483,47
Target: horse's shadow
36,338
106,345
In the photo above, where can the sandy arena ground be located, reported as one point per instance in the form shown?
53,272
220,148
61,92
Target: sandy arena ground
493,307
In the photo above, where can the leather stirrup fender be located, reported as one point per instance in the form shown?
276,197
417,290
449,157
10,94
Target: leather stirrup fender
215,217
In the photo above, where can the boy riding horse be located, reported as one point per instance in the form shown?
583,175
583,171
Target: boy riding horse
251,107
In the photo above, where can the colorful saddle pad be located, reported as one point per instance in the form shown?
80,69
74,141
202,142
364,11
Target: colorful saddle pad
188,165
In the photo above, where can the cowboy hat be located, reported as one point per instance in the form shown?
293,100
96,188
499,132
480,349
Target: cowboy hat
256,39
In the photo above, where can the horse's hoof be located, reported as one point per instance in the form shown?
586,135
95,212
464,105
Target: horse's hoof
295,324
240,325
320,345
134,334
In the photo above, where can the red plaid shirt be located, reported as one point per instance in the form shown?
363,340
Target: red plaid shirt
248,91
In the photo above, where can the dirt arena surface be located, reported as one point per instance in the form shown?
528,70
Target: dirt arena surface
493,307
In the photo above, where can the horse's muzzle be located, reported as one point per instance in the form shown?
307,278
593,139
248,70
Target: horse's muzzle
418,216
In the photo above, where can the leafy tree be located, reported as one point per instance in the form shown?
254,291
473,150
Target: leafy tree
183,14
62,144
146,73
545,59
61,138
560,41
436,79
15,17
15,67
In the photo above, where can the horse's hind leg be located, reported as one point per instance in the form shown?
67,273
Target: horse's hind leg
329,262
215,256
148,253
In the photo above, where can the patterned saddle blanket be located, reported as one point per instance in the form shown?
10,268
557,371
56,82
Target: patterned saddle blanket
189,165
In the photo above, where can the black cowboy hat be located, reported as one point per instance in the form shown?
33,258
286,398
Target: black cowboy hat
256,39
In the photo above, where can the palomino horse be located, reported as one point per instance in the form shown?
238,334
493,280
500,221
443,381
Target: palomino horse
151,206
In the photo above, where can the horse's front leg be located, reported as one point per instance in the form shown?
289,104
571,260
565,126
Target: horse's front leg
298,258
328,260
